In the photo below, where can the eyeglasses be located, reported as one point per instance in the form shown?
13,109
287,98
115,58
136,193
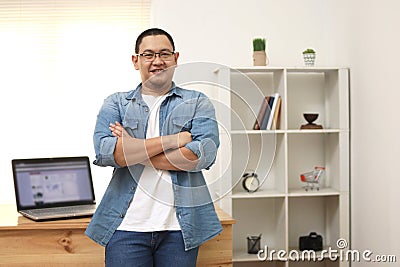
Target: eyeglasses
150,56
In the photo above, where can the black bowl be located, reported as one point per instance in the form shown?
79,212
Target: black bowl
310,117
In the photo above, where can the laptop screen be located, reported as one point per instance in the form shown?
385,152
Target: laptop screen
52,182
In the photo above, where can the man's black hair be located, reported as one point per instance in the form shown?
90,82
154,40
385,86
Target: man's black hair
152,31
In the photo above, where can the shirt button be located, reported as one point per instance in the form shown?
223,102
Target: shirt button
146,109
132,188
121,215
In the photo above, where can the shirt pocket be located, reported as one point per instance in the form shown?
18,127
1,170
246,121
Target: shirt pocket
131,126
182,124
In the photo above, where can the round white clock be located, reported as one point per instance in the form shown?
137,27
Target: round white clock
250,182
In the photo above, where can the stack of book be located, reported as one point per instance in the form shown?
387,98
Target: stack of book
268,116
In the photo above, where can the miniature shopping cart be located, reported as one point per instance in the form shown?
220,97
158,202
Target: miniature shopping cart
312,178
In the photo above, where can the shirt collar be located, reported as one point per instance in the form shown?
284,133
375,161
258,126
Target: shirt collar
136,94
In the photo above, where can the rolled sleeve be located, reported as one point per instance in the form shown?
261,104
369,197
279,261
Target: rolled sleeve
206,152
104,141
105,156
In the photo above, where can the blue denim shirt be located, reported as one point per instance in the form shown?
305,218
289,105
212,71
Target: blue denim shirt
182,110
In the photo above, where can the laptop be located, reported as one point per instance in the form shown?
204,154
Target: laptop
53,188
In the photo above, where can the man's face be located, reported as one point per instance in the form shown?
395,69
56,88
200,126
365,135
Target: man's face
153,72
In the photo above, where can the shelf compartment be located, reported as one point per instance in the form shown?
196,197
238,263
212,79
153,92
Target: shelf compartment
318,214
247,93
262,154
316,92
258,216
305,151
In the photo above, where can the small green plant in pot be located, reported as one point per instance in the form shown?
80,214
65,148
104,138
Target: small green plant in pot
259,55
309,57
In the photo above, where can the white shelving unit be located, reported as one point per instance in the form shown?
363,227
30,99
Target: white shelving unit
281,210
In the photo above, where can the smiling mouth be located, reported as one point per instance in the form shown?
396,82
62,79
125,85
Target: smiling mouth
157,71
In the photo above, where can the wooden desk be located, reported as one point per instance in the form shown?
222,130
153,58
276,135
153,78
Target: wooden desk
24,242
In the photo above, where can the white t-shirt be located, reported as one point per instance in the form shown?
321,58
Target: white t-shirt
152,207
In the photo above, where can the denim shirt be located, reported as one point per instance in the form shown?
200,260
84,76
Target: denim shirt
182,110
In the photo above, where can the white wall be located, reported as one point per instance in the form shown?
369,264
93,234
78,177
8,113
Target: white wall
366,31
222,31
374,56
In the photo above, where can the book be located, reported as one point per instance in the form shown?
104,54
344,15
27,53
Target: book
267,114
261,113
276,118
273,109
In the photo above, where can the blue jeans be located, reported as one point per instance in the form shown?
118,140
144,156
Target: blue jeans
149,249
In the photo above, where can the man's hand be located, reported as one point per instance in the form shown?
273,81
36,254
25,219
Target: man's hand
117,130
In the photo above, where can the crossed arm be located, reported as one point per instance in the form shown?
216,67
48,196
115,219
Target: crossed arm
164,152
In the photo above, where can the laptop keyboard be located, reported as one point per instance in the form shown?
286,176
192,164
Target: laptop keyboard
84,209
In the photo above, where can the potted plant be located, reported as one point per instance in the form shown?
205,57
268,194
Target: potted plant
259,55
309,57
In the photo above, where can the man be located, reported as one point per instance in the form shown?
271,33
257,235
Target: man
157,209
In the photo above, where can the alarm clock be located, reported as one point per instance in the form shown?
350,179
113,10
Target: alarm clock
250,182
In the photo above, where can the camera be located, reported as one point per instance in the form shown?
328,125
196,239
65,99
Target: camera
313,241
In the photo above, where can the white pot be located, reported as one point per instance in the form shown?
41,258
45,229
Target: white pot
309,59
